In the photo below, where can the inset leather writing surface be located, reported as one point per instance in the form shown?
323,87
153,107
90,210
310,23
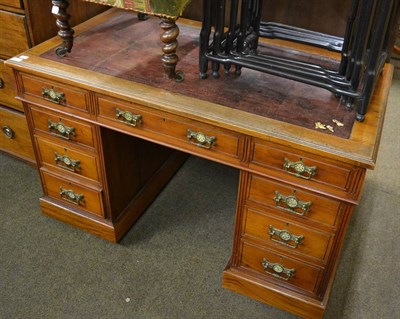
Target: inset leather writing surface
125,47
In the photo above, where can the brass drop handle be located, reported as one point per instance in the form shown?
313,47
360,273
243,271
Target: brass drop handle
278,270
60,129
292,203
71,196
284,237
66,162
200,139
128,117
52,95
298,169
8,132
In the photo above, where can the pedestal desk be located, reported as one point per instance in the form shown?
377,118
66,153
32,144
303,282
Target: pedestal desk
109,132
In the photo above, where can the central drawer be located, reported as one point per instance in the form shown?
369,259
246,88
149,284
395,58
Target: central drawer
171,130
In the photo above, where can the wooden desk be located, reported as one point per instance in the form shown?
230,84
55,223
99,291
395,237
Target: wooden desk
108,136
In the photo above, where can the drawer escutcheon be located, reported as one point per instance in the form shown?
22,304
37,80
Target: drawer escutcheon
201,139
292,202
278,270
285,237
52,95
71,196
300,169
128,117
67,163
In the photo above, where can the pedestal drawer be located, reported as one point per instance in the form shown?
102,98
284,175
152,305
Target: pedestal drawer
55,95
285,271
68,159
309,169
287,235
63,127
73,194
14,134
293,202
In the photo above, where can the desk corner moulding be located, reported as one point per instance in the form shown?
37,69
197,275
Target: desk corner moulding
109,131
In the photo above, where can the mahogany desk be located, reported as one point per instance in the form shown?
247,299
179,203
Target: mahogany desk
109,134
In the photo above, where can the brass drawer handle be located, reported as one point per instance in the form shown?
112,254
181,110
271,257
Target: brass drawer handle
61,130
285,237
128,117
52,95
8,132
278,270
300,169
292,202
71,197
201,139
67,163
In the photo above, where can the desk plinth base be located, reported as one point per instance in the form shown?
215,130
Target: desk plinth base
244,284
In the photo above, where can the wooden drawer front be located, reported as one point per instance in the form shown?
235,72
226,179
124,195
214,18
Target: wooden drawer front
11,3
68,159
82,133
287,235
296,274
275,157
13,34
80,197
171,130
8,89
55,95
14,134
314,207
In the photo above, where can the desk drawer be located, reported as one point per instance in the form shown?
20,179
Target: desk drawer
12,3
68,160
63,127
14,38
280,269
72,194
293,202
306,168
14,134
55,95
287,235
8,89
174,131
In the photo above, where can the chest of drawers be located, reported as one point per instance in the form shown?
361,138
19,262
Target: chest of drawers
106,145
24,24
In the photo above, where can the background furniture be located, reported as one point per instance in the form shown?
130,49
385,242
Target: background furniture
365,47
108,137
24,24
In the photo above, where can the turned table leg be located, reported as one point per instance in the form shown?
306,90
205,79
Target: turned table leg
66,33
170,58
